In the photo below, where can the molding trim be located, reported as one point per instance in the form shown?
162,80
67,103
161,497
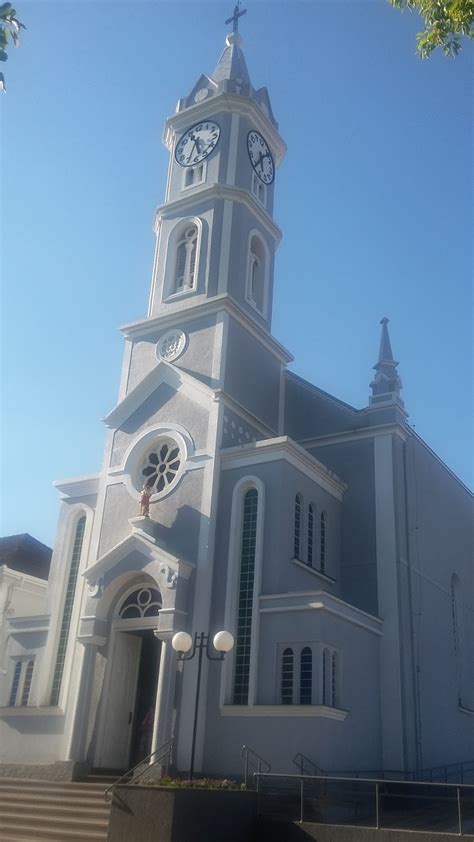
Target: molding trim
313,570
215,305
296,711
214,192
320,601
284,448
356,435
30,711
78,487
226,102
151,549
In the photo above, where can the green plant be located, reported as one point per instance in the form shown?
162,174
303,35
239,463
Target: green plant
9,31
445,22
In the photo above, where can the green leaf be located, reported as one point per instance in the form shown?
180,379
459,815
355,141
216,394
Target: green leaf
3,87
5,8
3,55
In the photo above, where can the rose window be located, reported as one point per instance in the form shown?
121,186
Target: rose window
161,466
144,602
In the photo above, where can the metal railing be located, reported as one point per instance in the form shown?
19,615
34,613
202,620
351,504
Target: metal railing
252,759
368,802
162,753
302,762
464,770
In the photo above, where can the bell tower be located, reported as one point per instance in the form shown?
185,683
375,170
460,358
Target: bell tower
216,236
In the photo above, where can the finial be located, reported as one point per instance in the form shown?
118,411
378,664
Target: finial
234,20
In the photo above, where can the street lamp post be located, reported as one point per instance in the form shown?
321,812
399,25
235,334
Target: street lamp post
186,648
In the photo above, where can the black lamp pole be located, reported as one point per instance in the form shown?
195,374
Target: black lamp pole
202,643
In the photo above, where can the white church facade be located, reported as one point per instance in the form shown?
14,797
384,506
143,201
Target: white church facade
330,541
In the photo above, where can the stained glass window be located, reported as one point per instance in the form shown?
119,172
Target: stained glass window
245,599
67,611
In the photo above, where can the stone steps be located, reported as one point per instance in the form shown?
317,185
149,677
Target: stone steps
50,811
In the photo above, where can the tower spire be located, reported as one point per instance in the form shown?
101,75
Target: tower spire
386,385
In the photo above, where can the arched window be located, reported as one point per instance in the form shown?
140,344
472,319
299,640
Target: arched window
306,676
143,602
25,695
326,673
15,684
310,533
245,598
194,175
256,273
297,527
186,250
258,189
287,677
334,681
67,611
322,545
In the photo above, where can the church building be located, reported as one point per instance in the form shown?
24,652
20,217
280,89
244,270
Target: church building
329,540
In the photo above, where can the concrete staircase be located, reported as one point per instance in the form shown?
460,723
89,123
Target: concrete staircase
50,811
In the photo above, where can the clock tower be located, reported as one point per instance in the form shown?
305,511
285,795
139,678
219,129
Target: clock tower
215,231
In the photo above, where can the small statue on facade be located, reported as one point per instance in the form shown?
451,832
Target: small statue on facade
145,500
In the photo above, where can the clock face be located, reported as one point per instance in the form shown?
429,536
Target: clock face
197,143
260,157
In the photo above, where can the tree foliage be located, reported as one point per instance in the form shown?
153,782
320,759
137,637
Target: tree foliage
445,23
9,31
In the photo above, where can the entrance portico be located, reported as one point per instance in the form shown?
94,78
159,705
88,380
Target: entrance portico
137,599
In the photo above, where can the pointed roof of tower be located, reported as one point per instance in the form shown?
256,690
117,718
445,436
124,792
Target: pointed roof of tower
386,385
232,64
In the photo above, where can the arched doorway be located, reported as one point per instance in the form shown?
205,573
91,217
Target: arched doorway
129,699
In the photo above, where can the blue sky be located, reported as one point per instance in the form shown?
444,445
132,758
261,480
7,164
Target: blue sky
374,199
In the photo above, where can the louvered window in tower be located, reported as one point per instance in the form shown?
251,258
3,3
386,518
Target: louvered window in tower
186,260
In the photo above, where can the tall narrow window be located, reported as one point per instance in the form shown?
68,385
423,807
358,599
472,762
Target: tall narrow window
326,671
25,695
256,273
245,603
297,528
310,533
456,632
186,260
67,611
334,681
15,684
322,545
287,677
306,676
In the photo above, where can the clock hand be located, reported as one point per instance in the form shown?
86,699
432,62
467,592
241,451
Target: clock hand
191,153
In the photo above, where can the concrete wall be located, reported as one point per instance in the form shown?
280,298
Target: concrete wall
252,376
440,545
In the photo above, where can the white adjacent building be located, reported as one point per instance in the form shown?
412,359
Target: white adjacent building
330,540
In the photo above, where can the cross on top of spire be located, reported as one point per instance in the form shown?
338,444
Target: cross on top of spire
234,20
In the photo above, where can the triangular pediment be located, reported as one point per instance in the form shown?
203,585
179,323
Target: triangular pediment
204,83
162,373
149,547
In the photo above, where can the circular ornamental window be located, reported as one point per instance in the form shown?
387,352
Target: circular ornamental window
161,465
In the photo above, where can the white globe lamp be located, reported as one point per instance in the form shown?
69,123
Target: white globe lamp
223,641
182,642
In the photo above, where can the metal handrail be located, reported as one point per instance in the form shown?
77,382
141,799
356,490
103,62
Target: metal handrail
163,751
249,754
300,759
377,781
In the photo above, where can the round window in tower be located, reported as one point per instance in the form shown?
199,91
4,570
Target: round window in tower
161,465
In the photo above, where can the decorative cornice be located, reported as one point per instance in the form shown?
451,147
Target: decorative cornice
215,305
320,601
224,192
270,450
227,103
78,487
151,549
313,571
294,711
356,435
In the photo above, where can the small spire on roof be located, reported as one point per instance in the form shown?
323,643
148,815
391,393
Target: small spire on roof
386,385
231,64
